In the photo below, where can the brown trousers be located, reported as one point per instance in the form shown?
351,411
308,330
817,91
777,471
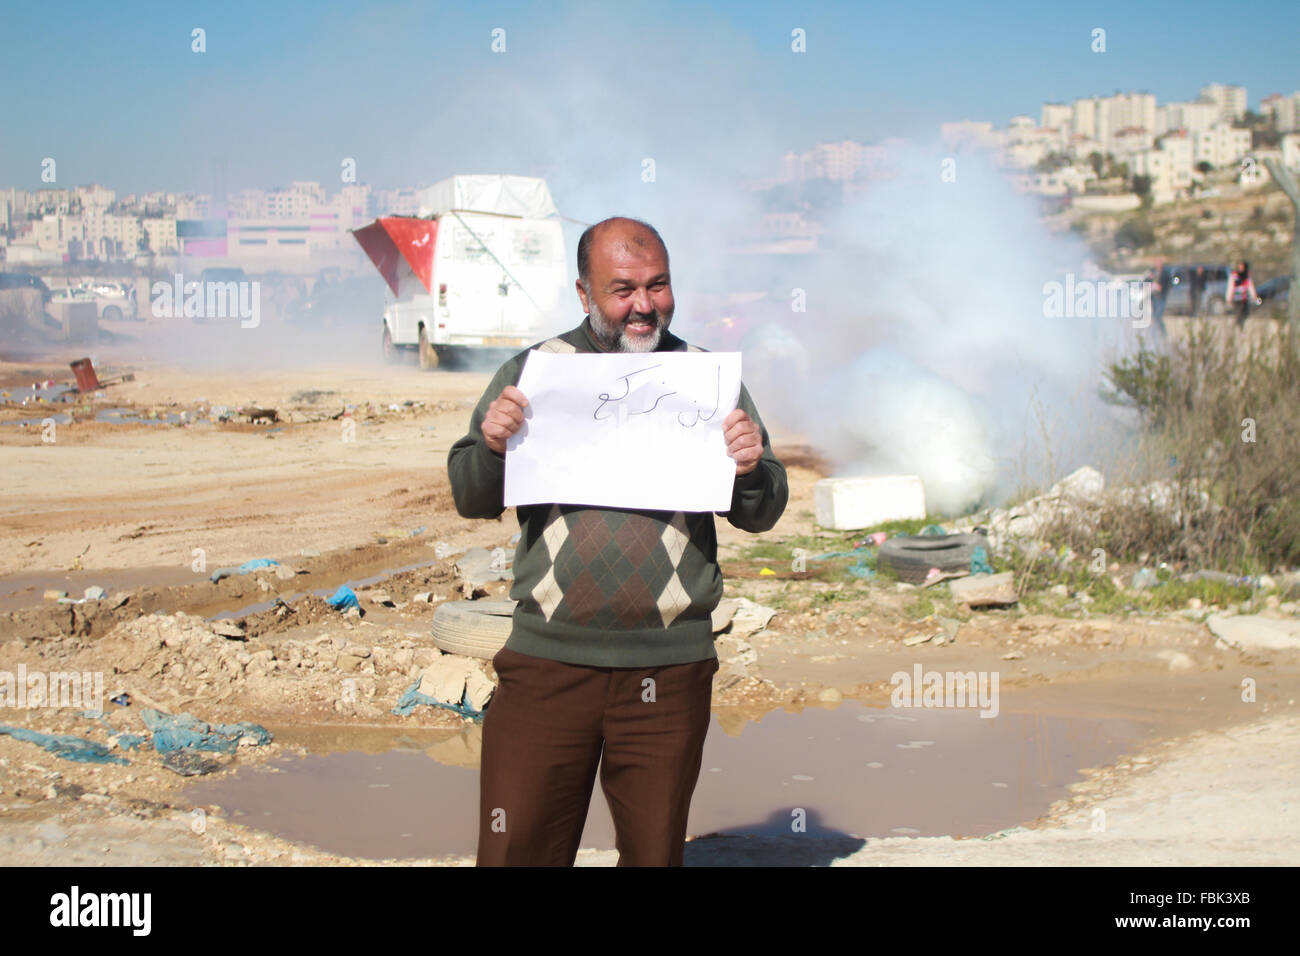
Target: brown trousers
543,735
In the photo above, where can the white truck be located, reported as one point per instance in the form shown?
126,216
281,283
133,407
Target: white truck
480,268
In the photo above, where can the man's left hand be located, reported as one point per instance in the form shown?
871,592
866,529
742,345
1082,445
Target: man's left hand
744,441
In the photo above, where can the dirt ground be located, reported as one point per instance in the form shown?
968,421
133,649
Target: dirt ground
349,485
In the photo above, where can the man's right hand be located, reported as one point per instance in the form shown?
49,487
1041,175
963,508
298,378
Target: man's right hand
504,417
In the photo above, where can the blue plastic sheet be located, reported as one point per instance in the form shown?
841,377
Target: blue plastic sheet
184,731
244,568
64,745
343,598
979,561
859,569
413,698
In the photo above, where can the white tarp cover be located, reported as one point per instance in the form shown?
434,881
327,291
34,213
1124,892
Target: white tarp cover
526,196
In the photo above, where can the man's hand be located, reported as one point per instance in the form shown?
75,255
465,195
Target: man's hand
504,417
744,441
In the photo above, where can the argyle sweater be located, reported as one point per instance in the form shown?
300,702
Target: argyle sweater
611,587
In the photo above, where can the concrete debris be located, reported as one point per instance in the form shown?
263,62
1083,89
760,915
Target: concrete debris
227,628
749,617
1252,632
984,590
478,566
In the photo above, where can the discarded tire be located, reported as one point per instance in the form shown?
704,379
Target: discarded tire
473,628
911,556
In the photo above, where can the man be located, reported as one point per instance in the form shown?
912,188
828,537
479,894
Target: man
610,659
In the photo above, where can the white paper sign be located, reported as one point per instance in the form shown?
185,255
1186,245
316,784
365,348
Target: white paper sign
625,430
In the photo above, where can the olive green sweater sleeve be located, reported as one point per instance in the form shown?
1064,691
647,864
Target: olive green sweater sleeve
476,472
758,499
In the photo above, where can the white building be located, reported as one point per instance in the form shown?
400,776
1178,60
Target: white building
162,235
1193,117
1283,110
1083,118
1230,100
1123,111
1058,116
1290,146
1221,145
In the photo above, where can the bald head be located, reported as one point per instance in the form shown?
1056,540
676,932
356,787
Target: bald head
621,236
623,284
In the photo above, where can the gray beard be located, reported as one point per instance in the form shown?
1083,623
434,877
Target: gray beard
619,340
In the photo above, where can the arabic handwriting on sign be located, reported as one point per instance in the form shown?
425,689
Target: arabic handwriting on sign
717,399
605,398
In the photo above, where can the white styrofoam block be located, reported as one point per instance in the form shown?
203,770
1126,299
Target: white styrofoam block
847,504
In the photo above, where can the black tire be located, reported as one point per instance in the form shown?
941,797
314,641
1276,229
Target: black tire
428,356
473,628
912,556
111,314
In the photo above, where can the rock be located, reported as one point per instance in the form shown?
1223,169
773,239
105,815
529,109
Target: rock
1272,601
479,688
285,572
723,613
950,626
830,696
1251,632
1012,656
916,639
444,680
475,566
1086,483
984,590
750,617
95,593
348,663
1195,604
378,596
1267,581
1061,590
227,628
309,553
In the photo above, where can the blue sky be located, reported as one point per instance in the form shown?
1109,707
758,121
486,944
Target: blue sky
413,92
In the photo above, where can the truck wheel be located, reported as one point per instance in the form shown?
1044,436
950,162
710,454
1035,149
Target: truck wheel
112,314
390,350
428,357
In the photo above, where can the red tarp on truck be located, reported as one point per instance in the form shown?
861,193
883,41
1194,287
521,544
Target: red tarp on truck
392,239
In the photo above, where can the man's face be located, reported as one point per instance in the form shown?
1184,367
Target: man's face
631,298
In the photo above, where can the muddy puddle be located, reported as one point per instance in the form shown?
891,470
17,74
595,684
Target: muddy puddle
854,771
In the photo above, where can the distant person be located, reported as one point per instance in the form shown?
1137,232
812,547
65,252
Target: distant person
1159,291
1195,289
1241,288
